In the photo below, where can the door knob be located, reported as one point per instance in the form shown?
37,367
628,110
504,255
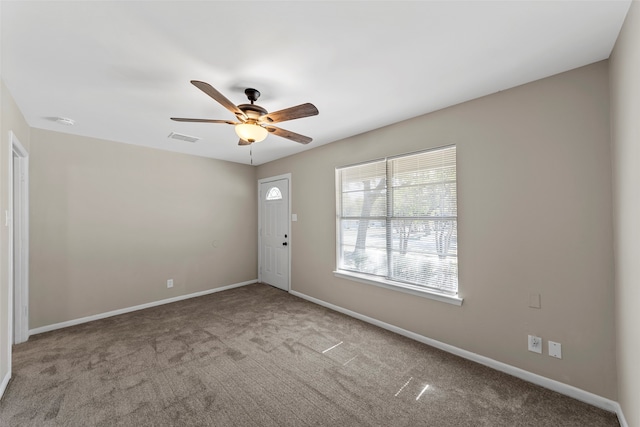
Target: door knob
284,244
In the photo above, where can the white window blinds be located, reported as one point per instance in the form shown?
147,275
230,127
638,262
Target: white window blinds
397,219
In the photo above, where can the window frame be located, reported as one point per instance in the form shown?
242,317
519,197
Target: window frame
386,281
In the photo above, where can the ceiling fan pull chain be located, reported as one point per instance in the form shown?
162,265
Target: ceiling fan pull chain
251,154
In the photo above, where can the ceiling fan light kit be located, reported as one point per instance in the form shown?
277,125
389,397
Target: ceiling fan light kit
251,132
254,121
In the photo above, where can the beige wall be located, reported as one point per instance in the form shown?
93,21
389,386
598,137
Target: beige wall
11,120
534,197
111,222
625,126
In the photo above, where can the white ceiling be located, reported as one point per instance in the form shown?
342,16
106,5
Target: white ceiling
120,69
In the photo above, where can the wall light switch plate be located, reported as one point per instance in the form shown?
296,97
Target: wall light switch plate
170,283
555,349
534,300
294,217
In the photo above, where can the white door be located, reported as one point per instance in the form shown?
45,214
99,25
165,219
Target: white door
274,233
19,235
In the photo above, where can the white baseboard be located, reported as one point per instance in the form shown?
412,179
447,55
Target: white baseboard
4,384
567,390
74,322
621,419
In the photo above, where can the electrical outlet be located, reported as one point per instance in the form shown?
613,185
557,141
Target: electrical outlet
535,344
555,349
170,283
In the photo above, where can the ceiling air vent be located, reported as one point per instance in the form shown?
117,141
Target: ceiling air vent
181,137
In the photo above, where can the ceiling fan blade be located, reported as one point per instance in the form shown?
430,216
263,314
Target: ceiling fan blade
289,135
179,119
243,142
213,93
297,112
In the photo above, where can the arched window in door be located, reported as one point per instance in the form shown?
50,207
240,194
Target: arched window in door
274,194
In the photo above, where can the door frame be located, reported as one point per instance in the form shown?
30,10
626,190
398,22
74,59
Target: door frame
286,176
18,224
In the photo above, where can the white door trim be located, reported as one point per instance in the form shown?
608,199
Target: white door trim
286,176
19,238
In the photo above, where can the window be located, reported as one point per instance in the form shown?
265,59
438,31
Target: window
397,221
274,194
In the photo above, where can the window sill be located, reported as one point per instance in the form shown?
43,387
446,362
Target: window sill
396,286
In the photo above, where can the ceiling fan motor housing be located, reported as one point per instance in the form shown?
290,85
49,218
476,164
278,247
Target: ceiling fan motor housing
252,111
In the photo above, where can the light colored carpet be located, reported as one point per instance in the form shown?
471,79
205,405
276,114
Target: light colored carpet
257,356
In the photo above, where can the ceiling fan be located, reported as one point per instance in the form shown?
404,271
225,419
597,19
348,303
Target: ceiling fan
254,121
